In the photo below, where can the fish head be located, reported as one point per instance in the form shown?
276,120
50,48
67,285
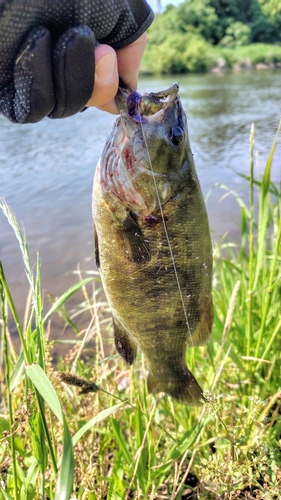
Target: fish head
150,139
155,123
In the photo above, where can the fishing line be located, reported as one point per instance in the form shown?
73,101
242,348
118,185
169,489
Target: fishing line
166,232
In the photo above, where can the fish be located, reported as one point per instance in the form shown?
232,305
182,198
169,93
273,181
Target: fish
152,240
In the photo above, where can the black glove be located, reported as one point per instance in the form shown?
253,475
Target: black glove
47,48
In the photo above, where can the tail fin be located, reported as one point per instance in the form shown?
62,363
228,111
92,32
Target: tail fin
185,390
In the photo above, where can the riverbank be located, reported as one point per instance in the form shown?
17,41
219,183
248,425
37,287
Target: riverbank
191,54
257,56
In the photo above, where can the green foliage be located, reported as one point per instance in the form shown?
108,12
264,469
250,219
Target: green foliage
181,39
178,54
236,34
272,12
250,13
201,17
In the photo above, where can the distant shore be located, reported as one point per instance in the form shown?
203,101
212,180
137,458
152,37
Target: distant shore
221,66
204,57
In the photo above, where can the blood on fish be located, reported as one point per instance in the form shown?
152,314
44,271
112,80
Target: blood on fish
129,162
151,221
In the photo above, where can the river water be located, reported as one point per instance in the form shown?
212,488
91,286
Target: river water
46,169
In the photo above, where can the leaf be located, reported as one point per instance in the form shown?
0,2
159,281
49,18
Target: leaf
48,393
187,440
116,488
28,489
38,440
264,209
222,443
66,473
32,473
20,446
17,372
217,337
98,418
116,430
40,380
142,465
4,495
66,296
4,425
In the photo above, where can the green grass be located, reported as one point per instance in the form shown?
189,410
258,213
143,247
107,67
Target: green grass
118,444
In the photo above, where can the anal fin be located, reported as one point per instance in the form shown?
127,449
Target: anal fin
125,345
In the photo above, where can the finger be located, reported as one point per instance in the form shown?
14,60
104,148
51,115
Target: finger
106,79
74,69
34,92
129,60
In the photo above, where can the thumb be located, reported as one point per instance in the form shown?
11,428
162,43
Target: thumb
106,79
129,60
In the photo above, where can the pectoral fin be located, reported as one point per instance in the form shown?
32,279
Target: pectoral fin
96,243
125,345
136,247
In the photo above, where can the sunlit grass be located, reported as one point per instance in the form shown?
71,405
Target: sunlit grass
119,442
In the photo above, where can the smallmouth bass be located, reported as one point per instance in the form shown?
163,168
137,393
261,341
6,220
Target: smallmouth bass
146,188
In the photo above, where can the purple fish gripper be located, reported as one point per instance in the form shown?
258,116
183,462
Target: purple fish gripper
133,107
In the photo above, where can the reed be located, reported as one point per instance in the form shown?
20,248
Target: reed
118,442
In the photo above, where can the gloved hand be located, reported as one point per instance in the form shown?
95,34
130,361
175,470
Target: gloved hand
47,64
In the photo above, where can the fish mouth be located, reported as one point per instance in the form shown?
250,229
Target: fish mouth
139,114
147,108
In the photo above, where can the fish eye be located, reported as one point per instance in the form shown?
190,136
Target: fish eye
176,135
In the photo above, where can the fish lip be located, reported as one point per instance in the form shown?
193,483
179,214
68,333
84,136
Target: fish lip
132,111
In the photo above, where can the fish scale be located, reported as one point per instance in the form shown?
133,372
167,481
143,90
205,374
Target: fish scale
154,309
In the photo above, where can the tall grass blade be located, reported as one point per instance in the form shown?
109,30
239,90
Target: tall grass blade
12,307
9,394
48,393
28,489
66,473
264,209
251,243
142,448
18,372
116,431
40,380
102,415
116,490
187,440
38,441
58,303
263,224
20,235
